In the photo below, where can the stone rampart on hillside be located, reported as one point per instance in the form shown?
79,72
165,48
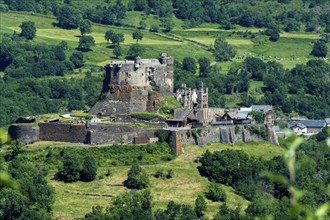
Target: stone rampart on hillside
204,135
117,133
26,133
63,132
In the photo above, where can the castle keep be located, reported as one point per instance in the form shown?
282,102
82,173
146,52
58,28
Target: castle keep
135,86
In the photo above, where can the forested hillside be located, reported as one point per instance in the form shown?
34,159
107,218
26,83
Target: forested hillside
246,51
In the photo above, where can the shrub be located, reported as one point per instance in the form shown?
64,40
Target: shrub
89,169
200,206
137,178
161,174
169,174
216,193
70,171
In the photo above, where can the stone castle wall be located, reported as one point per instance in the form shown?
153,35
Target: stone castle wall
204,135
114,134
26,133
75,133
122,98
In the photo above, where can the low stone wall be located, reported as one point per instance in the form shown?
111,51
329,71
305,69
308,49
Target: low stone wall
63,132
26,133
117,133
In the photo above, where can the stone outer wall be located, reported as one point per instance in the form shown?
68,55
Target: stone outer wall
116,133
26,133
204,135
75,133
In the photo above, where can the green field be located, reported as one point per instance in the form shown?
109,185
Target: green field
100,54
291,49
184,187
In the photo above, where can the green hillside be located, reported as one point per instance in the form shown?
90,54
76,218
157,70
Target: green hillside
74,200
294,48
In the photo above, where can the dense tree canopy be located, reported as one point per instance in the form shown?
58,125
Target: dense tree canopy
222,50
28,30
189,64
69,17
320,49
34,199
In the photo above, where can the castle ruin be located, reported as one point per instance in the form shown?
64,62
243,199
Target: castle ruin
135,86
139,86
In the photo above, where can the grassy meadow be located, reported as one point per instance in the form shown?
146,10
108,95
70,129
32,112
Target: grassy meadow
291,49
76,199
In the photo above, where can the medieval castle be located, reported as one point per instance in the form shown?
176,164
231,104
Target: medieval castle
139,86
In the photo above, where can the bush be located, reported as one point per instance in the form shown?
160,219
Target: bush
200,206
216,193
71,169
137,178
89,169
161,174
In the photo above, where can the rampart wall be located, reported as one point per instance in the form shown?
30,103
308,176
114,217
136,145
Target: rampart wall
204,135
63,132
114,134
26,133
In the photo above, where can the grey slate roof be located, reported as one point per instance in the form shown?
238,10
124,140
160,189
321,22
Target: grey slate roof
299,125
313,123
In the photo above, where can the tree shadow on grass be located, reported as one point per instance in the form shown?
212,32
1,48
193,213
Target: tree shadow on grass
111,46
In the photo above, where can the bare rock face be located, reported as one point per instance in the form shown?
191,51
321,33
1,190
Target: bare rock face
135,86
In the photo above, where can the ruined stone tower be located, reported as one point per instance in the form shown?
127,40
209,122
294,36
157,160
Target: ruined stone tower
202,103
135,85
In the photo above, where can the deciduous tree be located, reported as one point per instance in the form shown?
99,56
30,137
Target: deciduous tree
117,51
222,50
85,43
77,58
137,35
69,17
89,169
85,26
28,30
137,178
320,49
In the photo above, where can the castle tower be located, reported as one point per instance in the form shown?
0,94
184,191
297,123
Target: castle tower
202,103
